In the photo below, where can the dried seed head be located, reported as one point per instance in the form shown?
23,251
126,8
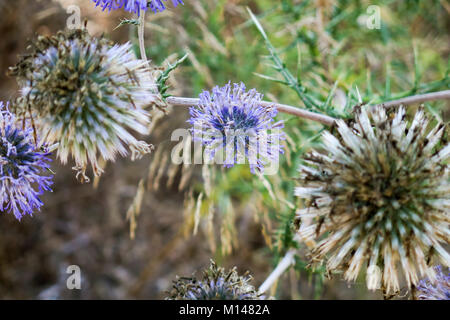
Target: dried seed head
216,284
85,94
380,197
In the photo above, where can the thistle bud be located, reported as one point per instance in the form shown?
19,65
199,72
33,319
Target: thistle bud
216,284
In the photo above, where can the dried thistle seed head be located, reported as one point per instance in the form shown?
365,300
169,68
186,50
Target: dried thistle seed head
439,289
85,94
232,120
135,6
22,167
216,284
380,197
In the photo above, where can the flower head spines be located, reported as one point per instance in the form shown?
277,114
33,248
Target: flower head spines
232,120
21,168
439,289
216,284
85,93
380,196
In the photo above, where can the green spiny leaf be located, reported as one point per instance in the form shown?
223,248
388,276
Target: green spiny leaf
134,22
164,76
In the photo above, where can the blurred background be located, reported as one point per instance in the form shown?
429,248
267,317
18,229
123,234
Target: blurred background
241,220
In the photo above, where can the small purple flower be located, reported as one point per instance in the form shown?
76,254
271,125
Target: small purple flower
135,6
435,290
21,167
232,120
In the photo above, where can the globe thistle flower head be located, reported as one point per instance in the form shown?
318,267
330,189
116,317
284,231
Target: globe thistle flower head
232,120
439,289
380,198
21,168
85,95
135,6
216,284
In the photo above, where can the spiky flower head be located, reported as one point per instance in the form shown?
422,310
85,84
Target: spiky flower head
22,167
216,284
135,6
85,94
232,120
439,289
380,198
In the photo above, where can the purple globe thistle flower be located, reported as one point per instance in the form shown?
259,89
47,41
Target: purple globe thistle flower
232,120
21,167
135,6
435,290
